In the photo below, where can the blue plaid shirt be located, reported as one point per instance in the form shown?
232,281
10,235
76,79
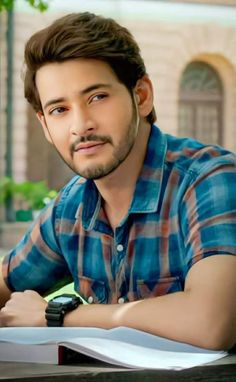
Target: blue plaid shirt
183,209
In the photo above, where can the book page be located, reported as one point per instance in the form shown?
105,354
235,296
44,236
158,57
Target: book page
134,356
121,346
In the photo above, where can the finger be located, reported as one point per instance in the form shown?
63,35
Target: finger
15,294
31,292
5,317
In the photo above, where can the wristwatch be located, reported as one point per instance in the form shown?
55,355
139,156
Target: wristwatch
59,306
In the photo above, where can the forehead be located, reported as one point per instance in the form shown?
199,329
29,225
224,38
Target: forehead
80,71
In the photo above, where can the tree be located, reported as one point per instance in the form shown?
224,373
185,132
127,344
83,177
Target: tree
7,5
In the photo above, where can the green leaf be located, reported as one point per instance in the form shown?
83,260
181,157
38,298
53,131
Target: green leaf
40,5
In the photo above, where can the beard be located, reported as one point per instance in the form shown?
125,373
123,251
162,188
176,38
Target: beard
119,154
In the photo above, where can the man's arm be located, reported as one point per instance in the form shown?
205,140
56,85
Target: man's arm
204,314
5,292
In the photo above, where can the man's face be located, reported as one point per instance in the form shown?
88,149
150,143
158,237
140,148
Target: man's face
88,115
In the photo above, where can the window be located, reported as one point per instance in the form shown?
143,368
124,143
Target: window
200,103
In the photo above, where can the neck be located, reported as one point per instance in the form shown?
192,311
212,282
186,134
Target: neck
117,188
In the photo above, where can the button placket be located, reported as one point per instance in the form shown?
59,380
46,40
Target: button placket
119,274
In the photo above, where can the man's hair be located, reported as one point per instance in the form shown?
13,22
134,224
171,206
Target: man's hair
84,35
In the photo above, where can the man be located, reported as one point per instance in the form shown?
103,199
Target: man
147,230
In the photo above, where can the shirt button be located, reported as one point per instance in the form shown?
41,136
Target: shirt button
119,247
121,300
90,299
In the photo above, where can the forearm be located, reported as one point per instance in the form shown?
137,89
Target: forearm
174,316
204,314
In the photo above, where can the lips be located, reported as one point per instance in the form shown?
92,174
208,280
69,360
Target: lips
87,145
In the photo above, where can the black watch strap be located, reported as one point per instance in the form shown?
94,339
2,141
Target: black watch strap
56,311
54,314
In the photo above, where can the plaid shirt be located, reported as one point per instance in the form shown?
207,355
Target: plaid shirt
183,209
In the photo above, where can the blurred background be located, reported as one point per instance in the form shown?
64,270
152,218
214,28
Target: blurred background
189,48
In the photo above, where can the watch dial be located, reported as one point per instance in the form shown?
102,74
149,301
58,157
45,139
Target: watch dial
62,300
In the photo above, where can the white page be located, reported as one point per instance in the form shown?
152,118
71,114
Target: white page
123,346
10,352
129,355
39,335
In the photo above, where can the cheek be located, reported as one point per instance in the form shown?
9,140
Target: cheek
60,139
118,119
117,110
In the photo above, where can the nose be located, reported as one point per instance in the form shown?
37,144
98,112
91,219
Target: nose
81,123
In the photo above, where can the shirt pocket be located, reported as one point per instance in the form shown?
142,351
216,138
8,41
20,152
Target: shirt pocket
158,287
93,291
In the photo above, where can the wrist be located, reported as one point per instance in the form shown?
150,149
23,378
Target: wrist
59,307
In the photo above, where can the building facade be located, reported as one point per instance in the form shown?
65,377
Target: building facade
190,52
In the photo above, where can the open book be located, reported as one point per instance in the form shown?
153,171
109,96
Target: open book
120,346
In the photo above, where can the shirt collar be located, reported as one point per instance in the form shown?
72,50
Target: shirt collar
148,186
89,208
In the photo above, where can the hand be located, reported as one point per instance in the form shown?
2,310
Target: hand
24,309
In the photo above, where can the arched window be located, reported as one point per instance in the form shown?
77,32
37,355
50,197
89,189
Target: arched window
200,103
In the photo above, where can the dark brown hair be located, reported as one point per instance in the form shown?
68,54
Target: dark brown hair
84,35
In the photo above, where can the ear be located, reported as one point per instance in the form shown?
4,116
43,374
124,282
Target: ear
43,123
143,92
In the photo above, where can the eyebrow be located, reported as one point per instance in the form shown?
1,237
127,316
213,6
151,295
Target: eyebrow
85,91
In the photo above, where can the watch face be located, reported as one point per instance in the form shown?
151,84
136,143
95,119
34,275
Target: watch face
62,299
59,306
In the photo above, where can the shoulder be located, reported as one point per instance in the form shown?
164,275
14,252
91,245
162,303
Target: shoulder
194,158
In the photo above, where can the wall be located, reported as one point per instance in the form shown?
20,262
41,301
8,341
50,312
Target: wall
169,41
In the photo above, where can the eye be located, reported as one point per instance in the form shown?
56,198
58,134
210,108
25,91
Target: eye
57,110
98,97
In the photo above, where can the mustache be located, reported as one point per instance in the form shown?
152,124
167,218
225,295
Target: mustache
90,138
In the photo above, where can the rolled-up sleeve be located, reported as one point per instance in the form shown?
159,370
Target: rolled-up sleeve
37,262
208,213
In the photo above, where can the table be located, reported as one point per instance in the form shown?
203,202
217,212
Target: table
223,370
